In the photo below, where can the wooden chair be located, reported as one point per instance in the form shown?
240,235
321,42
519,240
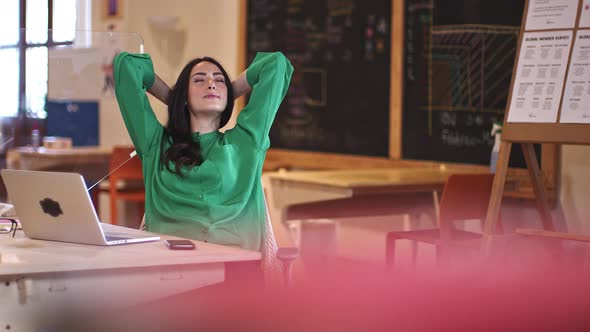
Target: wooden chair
465,197
127,182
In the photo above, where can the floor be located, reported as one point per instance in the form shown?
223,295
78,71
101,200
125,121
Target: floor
361,242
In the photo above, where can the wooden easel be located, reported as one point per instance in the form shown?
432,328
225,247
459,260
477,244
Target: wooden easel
527,134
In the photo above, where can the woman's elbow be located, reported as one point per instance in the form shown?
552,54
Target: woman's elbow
280,58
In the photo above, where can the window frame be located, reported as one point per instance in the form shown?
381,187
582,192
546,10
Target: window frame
20,124
23,45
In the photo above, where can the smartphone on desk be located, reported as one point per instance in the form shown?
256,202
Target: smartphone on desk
180,244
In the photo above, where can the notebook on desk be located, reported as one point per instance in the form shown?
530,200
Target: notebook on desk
56,206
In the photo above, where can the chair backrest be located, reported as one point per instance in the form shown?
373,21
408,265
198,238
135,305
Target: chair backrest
271,266
125,179
131,170
465,196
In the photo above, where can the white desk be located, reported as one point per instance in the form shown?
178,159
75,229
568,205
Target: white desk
43,281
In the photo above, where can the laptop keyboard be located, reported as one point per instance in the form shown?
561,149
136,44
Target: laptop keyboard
115,238
115,233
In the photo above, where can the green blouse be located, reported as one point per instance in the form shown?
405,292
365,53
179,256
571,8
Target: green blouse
221,201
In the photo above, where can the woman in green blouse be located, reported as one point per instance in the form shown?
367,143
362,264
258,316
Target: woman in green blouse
201,183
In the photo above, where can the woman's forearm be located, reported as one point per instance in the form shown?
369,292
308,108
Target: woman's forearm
160,90
241,86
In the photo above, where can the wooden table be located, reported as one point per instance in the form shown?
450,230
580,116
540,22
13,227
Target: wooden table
46,280
296,187
92,162
356,182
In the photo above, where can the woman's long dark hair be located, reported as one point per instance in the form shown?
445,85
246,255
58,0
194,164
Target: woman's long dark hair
183,150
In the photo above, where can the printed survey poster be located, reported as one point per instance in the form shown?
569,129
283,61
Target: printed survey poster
540,75
575,107
551,14
585,14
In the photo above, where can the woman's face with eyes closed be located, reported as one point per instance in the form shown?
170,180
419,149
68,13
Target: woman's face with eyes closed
207,89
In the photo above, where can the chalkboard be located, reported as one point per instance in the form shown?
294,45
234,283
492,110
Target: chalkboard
338,100
459,57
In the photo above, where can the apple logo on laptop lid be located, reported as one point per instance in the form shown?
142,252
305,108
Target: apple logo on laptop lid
50,207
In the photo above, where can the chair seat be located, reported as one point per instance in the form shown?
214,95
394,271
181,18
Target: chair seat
131,196
287,253
128,184
431,236
464,197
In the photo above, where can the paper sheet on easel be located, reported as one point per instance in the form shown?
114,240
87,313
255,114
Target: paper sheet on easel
551,14
575,106
540,76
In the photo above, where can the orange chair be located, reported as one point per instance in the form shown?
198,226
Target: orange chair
464,197
126,183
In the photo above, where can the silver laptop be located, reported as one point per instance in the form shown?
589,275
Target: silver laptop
56,206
